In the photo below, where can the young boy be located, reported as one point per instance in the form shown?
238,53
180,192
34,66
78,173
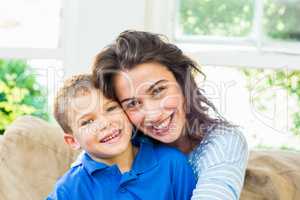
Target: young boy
112,167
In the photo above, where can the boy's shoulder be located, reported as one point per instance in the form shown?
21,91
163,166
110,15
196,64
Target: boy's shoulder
65,184
165,153
73,176
161,150
166,149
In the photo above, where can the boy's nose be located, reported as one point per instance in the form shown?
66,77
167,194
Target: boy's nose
102,124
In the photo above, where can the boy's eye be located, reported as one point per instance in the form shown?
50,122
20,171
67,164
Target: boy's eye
86,122
111,108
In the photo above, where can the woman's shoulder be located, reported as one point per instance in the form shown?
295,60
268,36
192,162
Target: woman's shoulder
221,144
225,135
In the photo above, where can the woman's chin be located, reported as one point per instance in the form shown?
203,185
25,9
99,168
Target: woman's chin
166,138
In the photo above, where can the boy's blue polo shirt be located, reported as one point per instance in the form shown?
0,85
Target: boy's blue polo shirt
159,172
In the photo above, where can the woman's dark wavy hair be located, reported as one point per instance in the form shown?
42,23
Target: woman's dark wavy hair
132,48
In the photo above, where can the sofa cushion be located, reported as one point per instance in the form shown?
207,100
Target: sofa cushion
273,175
33,155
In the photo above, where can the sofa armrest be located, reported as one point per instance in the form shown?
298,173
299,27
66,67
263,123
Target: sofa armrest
33,156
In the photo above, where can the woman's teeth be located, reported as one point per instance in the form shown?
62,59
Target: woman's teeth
108,138
165,124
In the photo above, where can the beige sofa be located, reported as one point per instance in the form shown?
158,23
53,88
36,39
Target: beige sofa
33,156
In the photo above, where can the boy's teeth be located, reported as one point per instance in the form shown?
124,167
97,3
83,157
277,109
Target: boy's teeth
110,137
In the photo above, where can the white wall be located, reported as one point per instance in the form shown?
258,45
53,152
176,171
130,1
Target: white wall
92,24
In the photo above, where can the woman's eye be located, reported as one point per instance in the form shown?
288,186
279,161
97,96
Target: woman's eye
131,104
86,122
157,91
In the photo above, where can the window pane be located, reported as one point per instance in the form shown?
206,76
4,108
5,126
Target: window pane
282,19
216,18
265,103
27,88
30,23
49,74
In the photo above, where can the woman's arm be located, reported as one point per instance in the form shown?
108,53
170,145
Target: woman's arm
220,162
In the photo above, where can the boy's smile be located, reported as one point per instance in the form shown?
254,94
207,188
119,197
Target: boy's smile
100,126
112,137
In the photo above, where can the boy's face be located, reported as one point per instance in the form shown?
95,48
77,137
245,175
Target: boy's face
99,125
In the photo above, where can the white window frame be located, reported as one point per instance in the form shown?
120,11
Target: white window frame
68,38
254,51
66,51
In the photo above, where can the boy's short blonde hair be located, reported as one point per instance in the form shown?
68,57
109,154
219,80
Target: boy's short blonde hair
75,86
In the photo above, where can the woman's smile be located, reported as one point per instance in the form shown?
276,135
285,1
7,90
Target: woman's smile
153,100
163,127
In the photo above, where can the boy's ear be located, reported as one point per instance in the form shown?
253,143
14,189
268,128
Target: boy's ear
71,141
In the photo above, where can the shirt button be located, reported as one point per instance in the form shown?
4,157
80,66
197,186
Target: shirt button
122,190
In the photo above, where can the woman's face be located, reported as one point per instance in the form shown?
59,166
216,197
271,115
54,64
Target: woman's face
153,100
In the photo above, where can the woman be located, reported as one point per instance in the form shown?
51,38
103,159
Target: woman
153,81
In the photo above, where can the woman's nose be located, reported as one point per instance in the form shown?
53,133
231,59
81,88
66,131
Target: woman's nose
151,106
152,112
152,118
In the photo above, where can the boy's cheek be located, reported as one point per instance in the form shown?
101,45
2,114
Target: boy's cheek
76,146
82,132
124,124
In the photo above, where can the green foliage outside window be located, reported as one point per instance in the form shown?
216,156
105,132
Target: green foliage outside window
235,18
20,93
282,19
262,80
220,18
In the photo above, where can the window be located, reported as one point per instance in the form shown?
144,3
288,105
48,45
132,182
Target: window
214,18
259,22
250,52
265,103
32,30
30,23
252,33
